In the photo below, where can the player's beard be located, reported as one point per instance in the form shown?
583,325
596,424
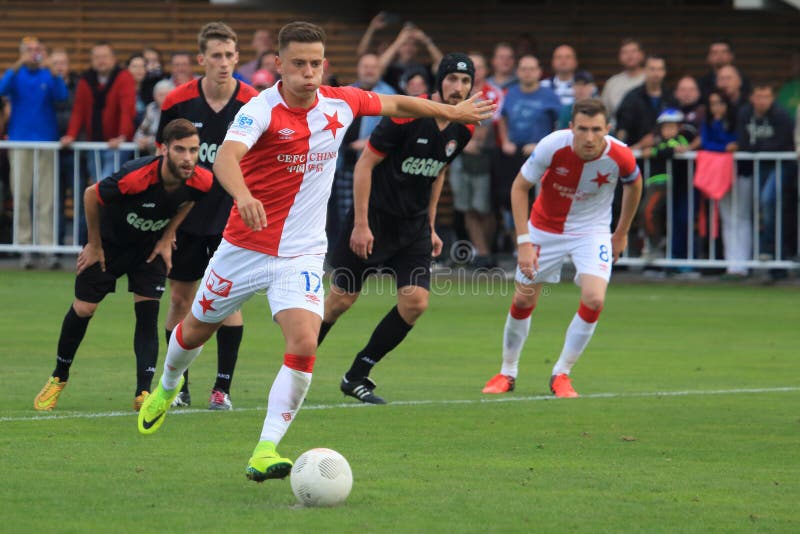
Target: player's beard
455,98
177,170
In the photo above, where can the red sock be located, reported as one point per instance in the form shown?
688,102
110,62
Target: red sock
299,363
520,313
587,314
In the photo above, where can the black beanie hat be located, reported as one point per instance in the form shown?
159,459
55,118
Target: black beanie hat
454,62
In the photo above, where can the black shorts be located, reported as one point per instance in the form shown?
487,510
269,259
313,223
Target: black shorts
190,259
402,247
145,279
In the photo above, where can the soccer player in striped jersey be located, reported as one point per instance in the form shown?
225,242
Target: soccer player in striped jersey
277,162
578,169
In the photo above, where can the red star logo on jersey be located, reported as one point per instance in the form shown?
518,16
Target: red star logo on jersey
601,179
207,304
333,123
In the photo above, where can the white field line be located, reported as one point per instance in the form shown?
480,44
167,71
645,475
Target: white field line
484,400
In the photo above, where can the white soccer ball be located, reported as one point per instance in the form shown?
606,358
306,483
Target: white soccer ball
321,477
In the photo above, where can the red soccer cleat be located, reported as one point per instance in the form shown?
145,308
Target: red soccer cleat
561,386
499,383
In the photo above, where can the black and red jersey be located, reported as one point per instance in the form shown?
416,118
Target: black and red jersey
187,101
416,151
134,206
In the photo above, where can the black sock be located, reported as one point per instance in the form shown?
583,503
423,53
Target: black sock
387,335
185,387
228,340
323,331
73,328
145,343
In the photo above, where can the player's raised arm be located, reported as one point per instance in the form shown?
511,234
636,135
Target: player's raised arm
469,111
229,174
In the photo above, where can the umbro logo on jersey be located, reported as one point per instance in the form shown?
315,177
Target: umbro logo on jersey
562,171
422,141
450,148
149,205
285,133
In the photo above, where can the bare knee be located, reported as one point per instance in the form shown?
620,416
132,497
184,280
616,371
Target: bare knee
84,309
412,307
195,332
302,342
180,296
337,303
525,296
594,302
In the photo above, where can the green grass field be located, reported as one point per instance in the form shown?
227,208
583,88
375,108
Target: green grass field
689,420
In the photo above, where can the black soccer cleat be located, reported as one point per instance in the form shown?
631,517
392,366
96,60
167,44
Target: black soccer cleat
361,390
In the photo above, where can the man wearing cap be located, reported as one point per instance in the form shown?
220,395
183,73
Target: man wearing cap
397,182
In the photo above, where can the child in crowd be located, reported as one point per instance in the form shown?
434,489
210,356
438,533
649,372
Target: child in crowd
668,141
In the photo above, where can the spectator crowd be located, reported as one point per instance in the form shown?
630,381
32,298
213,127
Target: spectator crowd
718,113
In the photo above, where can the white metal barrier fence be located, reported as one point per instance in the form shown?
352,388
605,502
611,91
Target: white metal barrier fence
86,155
709,257
744,197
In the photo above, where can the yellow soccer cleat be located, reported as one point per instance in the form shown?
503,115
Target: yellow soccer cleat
155,406
267,463
47,398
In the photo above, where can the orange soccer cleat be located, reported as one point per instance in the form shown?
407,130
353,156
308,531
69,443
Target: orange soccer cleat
48,397
138,400
499,383
561,386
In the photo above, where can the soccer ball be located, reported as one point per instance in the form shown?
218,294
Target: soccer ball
321,477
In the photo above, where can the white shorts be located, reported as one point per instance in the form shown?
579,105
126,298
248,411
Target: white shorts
234,274
590,253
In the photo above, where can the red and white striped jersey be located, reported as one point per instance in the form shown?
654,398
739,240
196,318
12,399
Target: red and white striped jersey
576,195
290,165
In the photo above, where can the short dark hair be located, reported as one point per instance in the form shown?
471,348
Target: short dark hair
656,57
300,32
103,43
723,41
589,107
137,55
629,40
215,30
764,84
177,129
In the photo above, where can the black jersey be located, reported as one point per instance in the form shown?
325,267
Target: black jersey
134,206
187,101
415,152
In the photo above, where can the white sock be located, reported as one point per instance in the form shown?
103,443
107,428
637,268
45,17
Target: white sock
514,336
285,398
177,361
578,335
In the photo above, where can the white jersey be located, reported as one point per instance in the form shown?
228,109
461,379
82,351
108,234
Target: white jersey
576,195
290,165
